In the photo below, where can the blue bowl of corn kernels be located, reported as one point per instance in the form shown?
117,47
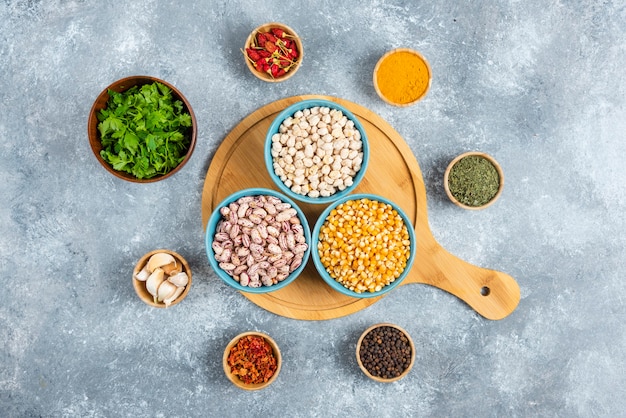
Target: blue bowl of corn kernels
240,228
316,151
364,245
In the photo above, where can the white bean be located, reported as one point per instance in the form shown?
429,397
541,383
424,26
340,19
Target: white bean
314,120
317,140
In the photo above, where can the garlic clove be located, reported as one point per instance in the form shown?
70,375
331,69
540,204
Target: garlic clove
180,279
172,268
168,301
160,260
154,281
166,290
143,274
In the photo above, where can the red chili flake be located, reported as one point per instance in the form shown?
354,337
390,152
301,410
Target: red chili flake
252,359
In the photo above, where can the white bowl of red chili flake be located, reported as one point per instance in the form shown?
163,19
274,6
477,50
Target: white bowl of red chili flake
273,52
252,360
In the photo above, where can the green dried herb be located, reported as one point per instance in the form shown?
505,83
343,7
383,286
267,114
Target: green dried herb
473,181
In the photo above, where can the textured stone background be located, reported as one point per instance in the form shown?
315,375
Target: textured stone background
538,84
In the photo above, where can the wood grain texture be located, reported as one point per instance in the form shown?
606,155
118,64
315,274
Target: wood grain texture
394,173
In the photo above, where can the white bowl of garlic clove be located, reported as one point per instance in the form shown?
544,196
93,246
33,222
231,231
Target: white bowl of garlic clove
162,278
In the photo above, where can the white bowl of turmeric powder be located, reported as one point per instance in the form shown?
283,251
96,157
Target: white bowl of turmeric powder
363,245
402,77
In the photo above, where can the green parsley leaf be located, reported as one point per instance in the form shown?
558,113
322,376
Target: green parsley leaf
144,131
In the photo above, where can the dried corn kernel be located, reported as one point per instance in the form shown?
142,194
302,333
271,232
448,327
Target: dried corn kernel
364,245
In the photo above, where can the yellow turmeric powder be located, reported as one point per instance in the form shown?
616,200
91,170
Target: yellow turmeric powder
403,77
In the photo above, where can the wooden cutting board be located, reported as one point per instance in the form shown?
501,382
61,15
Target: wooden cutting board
393,173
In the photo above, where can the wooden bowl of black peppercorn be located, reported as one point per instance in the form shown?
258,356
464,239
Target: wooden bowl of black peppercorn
385,352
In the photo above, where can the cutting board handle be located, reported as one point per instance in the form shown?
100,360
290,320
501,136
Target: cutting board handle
491,293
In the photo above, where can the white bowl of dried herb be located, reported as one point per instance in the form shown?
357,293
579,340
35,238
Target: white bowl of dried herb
473,180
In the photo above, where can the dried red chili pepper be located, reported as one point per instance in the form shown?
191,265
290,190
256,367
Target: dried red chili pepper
270,46
278,32
270,37
253,54
259,64
261,39
274,69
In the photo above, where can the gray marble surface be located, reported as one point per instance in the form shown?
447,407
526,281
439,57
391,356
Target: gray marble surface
537,84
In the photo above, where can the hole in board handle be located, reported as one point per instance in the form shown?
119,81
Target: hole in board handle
485,291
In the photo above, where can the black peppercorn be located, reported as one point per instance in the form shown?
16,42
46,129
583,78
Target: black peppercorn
385,352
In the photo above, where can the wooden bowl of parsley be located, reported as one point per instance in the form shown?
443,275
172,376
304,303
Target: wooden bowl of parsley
142,129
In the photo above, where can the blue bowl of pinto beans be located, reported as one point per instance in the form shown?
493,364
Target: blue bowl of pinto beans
364,245
316,151
258,240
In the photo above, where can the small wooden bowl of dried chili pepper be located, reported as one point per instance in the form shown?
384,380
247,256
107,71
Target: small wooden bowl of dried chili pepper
252,360
273,52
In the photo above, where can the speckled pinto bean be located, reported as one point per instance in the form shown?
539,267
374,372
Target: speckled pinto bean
317,152
259,241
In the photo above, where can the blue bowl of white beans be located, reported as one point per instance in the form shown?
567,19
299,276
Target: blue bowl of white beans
316,151
258,240
365,245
